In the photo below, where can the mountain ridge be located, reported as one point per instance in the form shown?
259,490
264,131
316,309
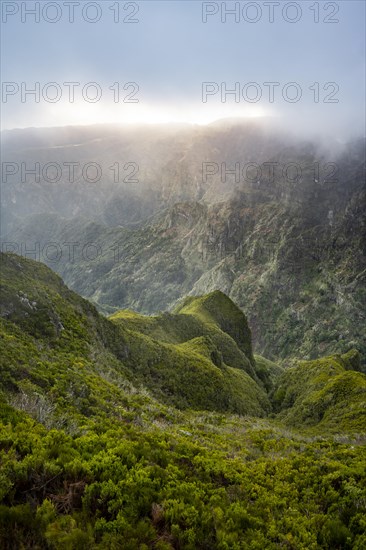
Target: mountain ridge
45,309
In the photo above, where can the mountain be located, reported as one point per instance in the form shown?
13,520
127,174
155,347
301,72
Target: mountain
190,359
119,175
119,432
288,246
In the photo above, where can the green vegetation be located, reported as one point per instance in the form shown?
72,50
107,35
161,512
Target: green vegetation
69,338
267,371
216,309
326,393
120,434
198,359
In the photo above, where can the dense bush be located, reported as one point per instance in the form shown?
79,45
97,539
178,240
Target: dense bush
203,481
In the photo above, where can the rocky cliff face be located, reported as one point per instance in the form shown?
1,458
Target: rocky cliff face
286,242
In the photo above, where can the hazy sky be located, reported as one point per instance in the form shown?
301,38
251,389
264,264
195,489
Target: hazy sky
170,52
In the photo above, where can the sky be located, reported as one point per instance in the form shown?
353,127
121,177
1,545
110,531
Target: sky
302,63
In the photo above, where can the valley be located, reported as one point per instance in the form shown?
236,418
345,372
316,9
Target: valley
287,247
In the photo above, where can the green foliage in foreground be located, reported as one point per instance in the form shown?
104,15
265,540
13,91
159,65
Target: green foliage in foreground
89,459
184,480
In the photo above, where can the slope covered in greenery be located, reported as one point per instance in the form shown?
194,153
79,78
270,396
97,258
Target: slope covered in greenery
328,393
167,480
91,458
216,309
196,364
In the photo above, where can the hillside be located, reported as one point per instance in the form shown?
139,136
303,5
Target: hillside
328,393
95,454
289,251
200,365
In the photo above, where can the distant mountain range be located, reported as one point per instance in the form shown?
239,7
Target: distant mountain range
275,222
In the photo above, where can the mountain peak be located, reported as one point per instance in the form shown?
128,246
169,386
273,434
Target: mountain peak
219,309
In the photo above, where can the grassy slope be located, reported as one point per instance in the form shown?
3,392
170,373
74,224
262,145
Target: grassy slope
216,309
89,461
267,371
163,479
59,339
328,393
